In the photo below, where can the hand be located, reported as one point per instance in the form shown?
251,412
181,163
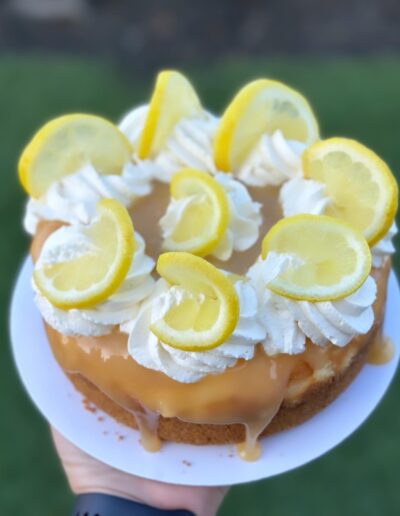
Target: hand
87,475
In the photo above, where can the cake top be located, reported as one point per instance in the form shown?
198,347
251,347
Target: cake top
222,283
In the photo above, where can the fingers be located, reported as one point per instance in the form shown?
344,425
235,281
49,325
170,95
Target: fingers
88,475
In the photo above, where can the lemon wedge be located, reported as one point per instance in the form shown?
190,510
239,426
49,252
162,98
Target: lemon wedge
65,144
261,107
362,189
173,98
327,258
94,274
205,216
207,314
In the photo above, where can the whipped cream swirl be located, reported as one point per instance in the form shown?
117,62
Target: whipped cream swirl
189,145
69,242
384,247
288,323
272,161
301,195
73,199
244,217
190,366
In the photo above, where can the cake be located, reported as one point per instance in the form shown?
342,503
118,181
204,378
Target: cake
209,279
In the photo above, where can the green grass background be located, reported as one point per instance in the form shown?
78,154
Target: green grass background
359,98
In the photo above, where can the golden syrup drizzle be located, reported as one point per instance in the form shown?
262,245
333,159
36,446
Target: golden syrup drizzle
250,449
235,396
382,350
147,423
249,393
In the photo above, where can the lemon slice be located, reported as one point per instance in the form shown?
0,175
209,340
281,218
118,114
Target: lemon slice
93,275
359,184
260,107
327,258
207,314
206,214
173,98
65,144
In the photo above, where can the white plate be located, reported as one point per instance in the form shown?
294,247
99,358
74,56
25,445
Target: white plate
118,445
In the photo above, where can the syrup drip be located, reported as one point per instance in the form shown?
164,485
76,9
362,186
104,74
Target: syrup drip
250,449
381,351
147,422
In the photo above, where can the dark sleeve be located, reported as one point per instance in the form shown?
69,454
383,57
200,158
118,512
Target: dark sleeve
98,504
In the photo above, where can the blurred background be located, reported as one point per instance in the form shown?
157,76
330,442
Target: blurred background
101,56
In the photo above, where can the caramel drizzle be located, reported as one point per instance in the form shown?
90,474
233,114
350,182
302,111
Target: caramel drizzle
381,351
147,422
250,449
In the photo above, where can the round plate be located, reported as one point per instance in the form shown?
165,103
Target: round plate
117,445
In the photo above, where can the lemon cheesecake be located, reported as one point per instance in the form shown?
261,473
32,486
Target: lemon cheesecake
209,279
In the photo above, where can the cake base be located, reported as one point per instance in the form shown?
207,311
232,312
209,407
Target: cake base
291,413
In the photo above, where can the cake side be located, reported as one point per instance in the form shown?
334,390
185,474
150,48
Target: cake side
291,414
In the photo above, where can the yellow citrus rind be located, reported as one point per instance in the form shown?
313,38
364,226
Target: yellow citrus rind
86,281
331,259
204,226
360,185
173,99
211,319
261,107
65,144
